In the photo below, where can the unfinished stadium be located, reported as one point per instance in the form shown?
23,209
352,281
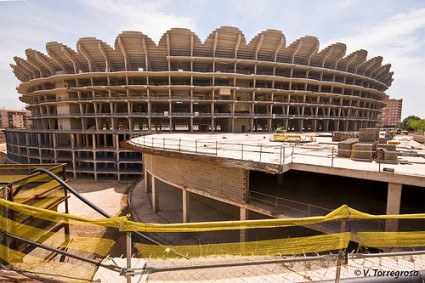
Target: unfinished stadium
85,102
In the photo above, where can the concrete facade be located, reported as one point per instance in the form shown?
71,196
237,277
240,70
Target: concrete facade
213,179
87,100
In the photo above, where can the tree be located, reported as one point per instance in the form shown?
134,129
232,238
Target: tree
407,122
417,125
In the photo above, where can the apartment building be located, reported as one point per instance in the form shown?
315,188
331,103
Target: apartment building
14,118
391,114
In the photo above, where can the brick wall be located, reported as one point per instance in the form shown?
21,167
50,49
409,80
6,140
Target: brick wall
230,183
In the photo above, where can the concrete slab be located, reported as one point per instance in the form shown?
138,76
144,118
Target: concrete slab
259,149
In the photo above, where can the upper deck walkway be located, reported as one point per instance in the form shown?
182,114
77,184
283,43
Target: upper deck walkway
257,152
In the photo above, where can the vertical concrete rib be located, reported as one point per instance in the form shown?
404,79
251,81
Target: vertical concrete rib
393,205
186,206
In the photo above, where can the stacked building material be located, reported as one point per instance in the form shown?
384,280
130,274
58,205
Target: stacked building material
345,147
382,141
389,147
342,136
364,151
387,154
368,135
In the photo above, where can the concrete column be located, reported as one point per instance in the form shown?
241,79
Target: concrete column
191,125
393,205
155,195
146,179
186,206
243,216
54,148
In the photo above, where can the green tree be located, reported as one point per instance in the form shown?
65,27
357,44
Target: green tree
417,125
407,122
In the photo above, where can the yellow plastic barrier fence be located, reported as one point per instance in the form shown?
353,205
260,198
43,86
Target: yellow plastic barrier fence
83,238
391,239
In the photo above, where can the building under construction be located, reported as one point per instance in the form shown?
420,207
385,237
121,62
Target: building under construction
86,101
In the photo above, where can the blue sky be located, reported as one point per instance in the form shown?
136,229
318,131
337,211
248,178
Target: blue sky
390,28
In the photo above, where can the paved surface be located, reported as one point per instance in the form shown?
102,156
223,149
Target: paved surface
287,272
257,147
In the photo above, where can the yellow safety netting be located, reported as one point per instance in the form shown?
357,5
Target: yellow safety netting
49,228
287,246
125,225
40,267
53,230
391,239
47,237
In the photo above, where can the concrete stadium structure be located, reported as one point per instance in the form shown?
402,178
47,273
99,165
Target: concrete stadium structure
85,102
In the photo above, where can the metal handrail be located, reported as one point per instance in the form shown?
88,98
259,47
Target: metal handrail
85,200
280,199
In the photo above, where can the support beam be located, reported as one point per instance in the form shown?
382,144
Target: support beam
238,43
186,206
259,44
44,62
127,63
108,64
86,55
147,181
393,205
155,195
243,216
145,49
278,46
71,58
57,60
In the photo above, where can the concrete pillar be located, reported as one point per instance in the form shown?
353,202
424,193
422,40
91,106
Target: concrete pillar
243,216
54,148
191,125
393,205
186,206
146,178
155,195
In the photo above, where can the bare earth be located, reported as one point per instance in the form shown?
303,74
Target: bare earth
3,157
110,196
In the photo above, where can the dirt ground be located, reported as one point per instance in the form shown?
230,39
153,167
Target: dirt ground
3,157
110,196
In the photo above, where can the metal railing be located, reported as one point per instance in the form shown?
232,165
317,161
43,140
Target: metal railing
292,208
261,153
286,206
279,153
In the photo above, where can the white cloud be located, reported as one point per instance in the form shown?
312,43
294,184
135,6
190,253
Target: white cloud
390,28
147,17
401,41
